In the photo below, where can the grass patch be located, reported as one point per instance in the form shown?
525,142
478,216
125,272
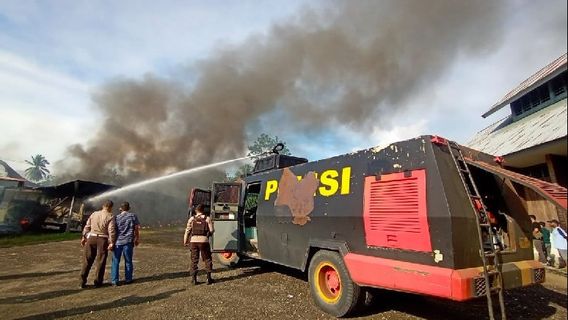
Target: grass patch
28,239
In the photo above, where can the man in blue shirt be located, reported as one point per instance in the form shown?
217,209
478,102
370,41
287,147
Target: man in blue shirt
127,237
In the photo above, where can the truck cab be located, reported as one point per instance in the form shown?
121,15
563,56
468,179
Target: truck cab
233,208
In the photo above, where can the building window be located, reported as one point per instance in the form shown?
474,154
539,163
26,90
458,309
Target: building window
531,100
558,85
544,95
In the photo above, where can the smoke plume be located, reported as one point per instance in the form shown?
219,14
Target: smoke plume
353,63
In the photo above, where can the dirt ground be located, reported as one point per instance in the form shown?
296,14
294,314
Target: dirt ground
41,282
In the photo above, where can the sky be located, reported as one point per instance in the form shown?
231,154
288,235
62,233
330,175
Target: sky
56,55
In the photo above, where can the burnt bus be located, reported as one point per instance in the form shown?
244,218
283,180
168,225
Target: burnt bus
410,217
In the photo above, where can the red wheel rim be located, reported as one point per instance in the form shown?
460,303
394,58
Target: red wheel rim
332,281
328,282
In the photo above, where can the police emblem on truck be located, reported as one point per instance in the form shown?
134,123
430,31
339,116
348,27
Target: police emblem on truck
297,192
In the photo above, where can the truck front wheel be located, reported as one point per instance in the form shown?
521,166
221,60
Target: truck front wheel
330,284
229,259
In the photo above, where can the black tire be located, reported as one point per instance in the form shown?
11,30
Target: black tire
229,259
338,299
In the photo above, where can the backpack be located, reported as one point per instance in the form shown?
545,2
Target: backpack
199,226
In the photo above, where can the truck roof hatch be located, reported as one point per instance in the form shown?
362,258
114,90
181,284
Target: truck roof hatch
276,161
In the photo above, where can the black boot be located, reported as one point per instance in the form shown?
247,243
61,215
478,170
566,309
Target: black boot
209,279
194,279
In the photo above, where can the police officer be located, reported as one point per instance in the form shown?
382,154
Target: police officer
199,229
99,236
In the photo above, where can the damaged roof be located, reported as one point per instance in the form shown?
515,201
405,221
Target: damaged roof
10,174
78,188
505,136
543,75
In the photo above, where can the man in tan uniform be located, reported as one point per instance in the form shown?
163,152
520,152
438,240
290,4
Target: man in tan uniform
99,235
199,229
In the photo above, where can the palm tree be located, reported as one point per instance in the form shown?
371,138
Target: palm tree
38,170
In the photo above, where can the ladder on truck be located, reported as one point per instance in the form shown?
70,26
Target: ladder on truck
491,257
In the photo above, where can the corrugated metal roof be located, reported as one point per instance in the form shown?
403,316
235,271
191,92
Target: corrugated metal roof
543,75
79,188
504,137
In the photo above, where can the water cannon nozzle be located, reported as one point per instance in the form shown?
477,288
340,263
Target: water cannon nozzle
277,148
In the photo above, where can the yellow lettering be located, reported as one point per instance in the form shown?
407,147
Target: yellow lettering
328,181
345,180
330,185
271,187
315,176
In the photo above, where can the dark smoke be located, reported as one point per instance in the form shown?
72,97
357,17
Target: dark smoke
353,63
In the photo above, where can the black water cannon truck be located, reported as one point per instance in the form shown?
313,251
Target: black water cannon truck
425,216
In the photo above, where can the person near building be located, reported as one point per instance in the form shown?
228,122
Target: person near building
558,237
199,229
537,239
127,237
99,236
546,242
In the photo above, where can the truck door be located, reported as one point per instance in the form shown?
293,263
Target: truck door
225,212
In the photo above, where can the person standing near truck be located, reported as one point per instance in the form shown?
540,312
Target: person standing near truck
559,236
128,237
546,242
199,229
537,239
99,236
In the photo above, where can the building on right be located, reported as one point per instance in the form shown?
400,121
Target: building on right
532,138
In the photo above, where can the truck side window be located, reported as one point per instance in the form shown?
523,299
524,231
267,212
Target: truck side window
251,204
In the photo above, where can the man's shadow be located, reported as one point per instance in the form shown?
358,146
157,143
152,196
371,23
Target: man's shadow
38,296
33,275
122,302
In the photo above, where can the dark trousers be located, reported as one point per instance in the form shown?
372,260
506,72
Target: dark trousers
96,248
205,250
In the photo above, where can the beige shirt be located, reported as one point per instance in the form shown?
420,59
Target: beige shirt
199,239
101,223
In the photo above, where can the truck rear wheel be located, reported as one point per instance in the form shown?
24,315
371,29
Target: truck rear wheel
229,259
330,284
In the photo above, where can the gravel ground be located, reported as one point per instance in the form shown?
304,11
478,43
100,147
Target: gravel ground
41,282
